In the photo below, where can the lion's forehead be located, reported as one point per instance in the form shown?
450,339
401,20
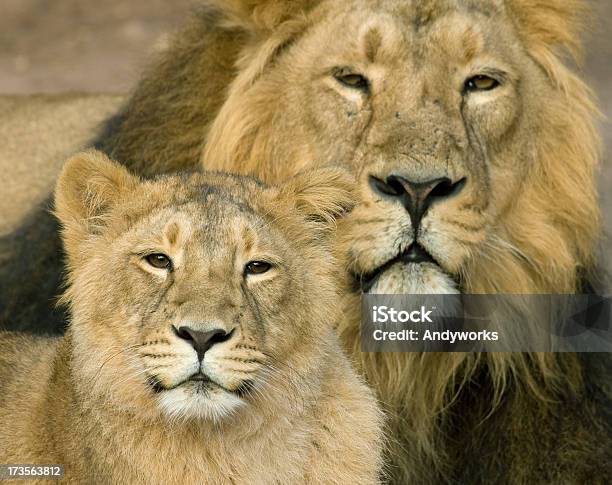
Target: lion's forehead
412,31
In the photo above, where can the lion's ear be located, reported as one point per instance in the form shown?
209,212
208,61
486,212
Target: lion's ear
550,24
321,195
88,186
260,15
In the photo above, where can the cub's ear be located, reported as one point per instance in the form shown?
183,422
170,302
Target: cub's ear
88,186
321,195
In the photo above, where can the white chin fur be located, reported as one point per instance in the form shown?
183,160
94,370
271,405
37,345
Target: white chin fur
183,404
414,279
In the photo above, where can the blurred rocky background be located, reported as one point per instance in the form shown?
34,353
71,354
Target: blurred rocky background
54,46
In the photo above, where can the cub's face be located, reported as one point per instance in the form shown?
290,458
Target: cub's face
209,283
200,291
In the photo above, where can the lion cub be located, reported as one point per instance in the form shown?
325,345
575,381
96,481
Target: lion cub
200,348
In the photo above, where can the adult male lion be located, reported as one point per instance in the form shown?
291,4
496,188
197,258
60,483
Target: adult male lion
476,151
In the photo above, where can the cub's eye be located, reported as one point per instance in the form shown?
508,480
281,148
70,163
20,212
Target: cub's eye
256,267
355,81
481,83
159,260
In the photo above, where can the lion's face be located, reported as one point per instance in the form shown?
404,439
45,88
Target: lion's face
205,285
428,109
445,116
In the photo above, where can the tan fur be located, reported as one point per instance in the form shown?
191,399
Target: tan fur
248,87
304,417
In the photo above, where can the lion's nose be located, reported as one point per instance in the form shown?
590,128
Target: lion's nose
416,197
202,341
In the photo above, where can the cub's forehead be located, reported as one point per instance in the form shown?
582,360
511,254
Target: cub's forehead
217,208
214,192
233,186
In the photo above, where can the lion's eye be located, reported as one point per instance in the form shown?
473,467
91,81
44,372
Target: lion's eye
256,267
159,260
481,83
355,81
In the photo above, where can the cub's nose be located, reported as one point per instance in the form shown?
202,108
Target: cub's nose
202,341
416,197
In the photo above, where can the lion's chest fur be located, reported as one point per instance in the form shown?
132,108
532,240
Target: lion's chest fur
275,455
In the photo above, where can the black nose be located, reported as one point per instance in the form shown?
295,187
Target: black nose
416,197
202,341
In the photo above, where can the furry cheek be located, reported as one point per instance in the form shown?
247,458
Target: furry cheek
370,240
231,369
